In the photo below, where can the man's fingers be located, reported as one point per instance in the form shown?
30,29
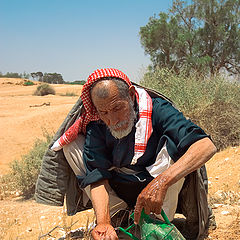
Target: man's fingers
137,213
157,210
95,235
147,210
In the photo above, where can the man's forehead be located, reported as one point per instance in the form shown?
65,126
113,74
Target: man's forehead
104,88
104,83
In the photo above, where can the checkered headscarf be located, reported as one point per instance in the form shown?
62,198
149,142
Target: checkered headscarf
90,114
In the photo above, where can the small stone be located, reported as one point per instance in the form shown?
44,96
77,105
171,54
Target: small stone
225,212
226,159
216,205
216,177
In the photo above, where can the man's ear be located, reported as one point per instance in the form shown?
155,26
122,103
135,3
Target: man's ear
132,92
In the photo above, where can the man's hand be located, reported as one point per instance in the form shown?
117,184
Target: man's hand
104,231
151,198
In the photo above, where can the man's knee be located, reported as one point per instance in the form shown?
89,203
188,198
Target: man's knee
74,154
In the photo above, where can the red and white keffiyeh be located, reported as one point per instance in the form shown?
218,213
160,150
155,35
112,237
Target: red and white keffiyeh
143,126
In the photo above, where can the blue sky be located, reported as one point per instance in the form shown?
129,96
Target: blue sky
75,37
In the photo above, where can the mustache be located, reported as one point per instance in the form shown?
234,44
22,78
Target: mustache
119,125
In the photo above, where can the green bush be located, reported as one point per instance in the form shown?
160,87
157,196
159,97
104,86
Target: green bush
28,83
212,103
44,89
24,172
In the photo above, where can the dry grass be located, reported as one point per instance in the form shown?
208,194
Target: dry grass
68,231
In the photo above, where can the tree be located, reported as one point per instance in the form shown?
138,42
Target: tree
33,75
38,76
203,35
25,75
53,78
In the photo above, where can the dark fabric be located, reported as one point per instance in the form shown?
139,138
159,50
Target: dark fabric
192,203
128,191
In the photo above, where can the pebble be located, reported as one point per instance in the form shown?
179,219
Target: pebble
225,212
216,205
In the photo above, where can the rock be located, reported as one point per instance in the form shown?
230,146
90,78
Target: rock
217,205
225,212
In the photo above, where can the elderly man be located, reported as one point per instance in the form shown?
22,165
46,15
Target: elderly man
130,149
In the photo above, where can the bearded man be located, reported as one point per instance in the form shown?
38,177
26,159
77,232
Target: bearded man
128,149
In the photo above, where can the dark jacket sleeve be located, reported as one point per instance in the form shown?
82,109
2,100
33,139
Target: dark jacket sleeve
179,133
96,156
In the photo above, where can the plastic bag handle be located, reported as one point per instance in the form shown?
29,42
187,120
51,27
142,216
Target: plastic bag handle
143,214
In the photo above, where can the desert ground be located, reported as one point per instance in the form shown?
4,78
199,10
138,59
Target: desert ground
24,118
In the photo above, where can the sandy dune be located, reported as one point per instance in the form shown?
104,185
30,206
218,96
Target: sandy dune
23,120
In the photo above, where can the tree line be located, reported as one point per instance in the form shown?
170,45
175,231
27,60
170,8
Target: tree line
48,77
15,75
37,76
55,78
201,36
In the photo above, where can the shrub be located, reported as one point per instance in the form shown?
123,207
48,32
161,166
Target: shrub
221,120
44,89
24,172
28,83
211,103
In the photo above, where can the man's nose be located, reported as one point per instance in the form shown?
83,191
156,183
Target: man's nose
113,119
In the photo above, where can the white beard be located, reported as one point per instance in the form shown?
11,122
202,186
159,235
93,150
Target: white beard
123,133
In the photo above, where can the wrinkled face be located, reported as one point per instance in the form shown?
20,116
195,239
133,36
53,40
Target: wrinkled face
117,113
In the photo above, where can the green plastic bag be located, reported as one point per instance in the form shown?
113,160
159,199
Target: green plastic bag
154,229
